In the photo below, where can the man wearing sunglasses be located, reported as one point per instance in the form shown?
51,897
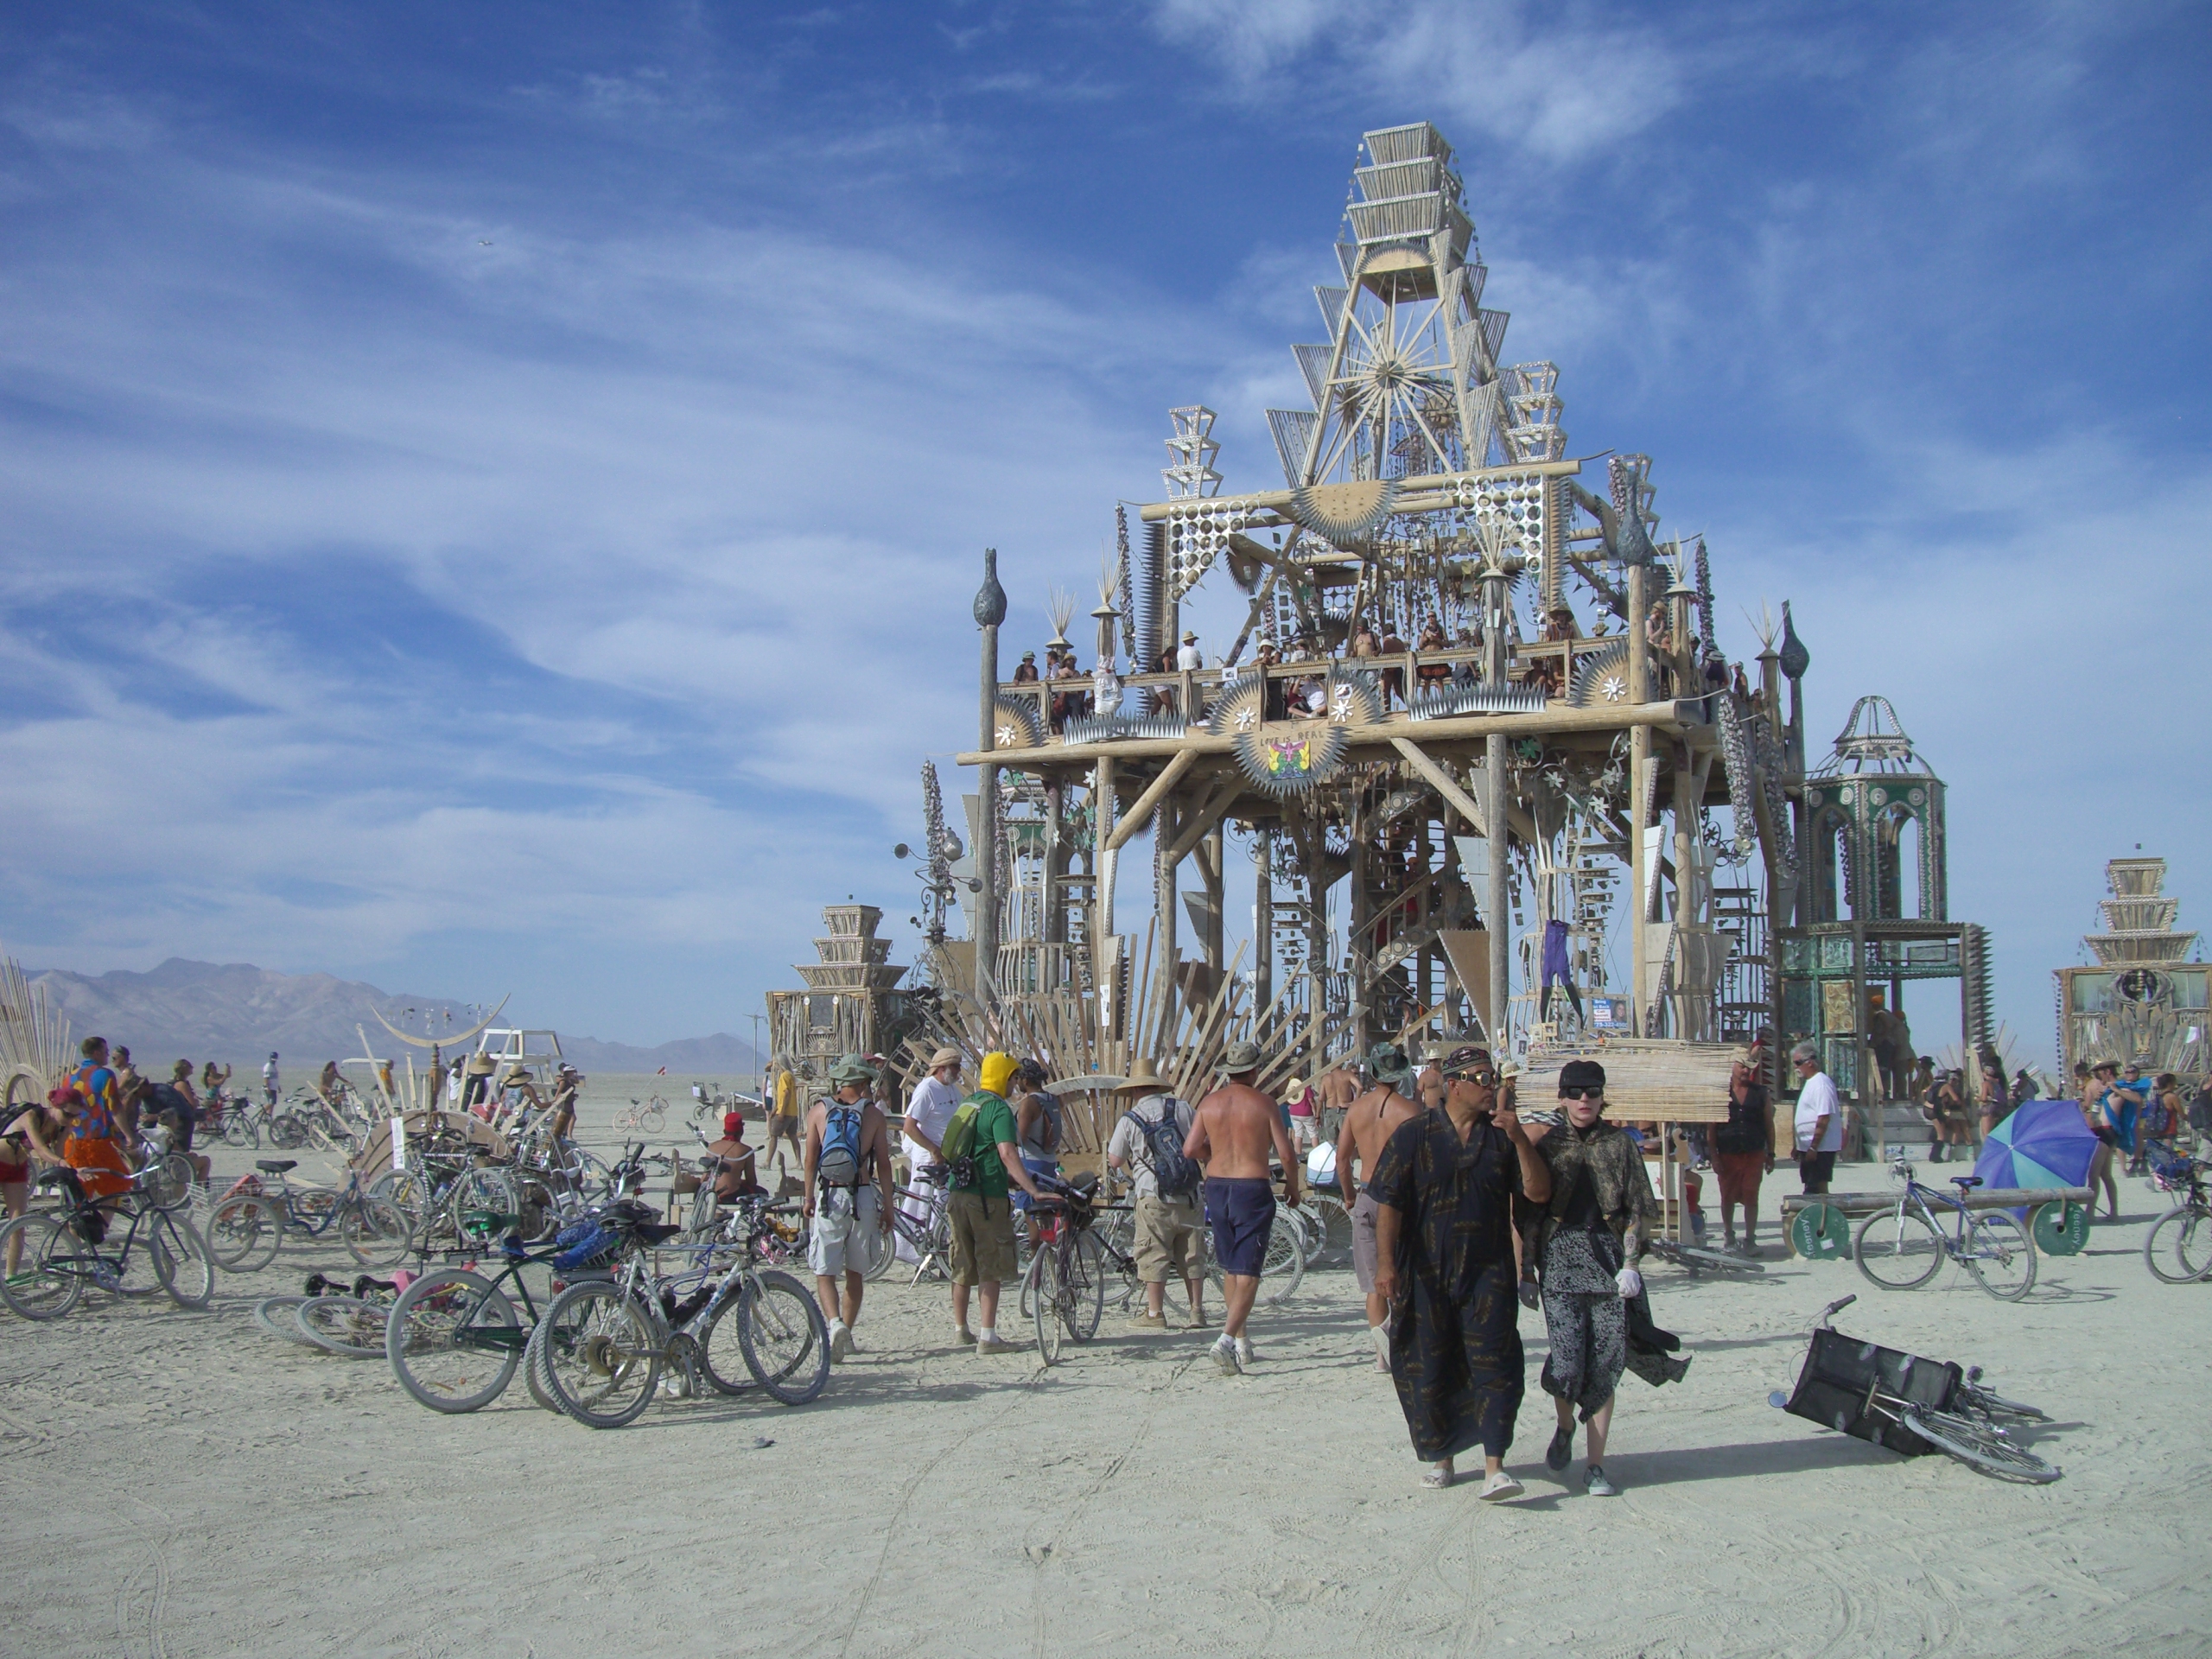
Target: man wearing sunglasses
1444,1191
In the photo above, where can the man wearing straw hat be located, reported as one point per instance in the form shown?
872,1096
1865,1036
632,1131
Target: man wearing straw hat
1167,1227
1233,1133
929,1109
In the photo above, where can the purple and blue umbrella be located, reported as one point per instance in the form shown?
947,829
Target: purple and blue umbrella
2042,1143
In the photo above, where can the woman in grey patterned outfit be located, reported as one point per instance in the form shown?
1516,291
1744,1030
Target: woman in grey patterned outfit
1594,1230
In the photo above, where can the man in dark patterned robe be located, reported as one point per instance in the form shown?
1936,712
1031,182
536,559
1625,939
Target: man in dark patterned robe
1444,1187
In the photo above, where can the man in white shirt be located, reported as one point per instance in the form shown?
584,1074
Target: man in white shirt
1819,1119
1189,659
928,1111
268,1083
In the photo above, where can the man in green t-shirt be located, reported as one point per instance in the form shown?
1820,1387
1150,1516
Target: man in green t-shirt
981,1214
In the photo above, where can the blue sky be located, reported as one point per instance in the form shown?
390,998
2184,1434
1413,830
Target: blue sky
489,495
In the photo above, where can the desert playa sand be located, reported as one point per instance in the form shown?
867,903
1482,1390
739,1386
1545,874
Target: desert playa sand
182,1484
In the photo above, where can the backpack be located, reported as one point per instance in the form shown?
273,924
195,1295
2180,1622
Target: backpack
956,1149
1176,1175
840,1162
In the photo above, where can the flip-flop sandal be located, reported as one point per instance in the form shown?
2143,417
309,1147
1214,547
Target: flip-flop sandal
1436,1478
1500,1487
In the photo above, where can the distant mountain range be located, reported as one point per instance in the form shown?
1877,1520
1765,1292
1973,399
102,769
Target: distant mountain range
234,1013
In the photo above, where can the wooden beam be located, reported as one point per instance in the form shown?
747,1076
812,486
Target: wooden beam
1461,801
1554,721
1205,816
1141,814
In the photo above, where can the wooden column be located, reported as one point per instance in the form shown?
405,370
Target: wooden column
1263,919
1163,900
1102,807
1639,768
1497,903
1213,853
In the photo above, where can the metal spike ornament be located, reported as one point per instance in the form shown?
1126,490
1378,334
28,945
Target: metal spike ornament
1795,659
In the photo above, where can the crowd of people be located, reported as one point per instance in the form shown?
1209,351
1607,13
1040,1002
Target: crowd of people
1462,1218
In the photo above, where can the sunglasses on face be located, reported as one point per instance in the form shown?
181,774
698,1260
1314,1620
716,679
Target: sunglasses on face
1481,1077
1582,1094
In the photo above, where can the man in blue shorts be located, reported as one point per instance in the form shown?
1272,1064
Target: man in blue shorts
1234,1132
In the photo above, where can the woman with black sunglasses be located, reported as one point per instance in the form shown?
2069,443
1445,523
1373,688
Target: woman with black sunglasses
1595,1227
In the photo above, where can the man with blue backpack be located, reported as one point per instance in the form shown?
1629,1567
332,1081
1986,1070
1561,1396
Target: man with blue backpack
847,1159
1149,1142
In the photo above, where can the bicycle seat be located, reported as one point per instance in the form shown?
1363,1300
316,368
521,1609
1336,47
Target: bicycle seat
1086,1183
1965,1183
276,1166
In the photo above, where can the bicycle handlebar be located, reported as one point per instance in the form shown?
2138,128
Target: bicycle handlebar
1832,1309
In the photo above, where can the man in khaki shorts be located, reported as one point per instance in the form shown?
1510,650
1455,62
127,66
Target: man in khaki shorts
983,1163
1368,1125
1168,1236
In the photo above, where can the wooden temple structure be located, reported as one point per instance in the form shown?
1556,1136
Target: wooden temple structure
1476,711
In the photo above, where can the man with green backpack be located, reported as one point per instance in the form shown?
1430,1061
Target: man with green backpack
982,1157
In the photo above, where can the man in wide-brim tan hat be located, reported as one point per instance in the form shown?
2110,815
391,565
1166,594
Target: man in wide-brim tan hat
1168,1225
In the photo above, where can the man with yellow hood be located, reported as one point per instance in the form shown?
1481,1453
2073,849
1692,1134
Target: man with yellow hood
981,1155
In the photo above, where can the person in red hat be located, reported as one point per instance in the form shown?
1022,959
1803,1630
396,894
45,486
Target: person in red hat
734,1175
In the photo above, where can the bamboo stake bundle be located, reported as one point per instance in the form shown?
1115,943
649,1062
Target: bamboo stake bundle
34,1037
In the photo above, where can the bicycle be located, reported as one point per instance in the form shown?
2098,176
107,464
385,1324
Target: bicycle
452,1338
1903,1248
603,1341
929,1236
643,1118
349,1324
2185,1229
1909,1404
245,1119
1281,1270
1694,1259
1064,1287
248,1223
63,1249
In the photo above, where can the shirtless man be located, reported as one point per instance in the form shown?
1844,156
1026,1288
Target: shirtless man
1336,1090
1367,1124
1232,1133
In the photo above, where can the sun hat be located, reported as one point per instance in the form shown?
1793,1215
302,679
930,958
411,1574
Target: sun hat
852,1068
945,1057
1240,1058
1144,1078
1387,1062
1294,1087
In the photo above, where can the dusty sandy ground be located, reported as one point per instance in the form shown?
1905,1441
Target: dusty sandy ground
180,1483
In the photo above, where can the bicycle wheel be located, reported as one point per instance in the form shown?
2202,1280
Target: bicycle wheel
2000,1255
1283,1268
650,1120
534,1373
287,1133
784,1336
238,1130
166,1181
1973,1398
275,1315
41,1286
181,1261
344,1325
137,1273
1083,1298
721,1349
1335,1243
1981,1445
2183,1236
244,1232
1041,1291
602,1355
453,1341
1899,1250
376,1234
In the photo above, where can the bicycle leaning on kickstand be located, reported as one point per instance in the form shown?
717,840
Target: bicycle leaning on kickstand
1903,1248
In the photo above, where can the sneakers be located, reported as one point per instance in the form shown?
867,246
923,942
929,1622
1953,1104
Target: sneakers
1225,1355
1149,1321
1561,1450
841,1342
1500,1487
1197,1321
1244,1354
993,1345
963,1336
1595,1483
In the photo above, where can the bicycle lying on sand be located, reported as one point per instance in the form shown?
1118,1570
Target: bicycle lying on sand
250,1221
1909,1404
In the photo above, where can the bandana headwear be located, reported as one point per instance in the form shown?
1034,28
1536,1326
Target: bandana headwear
995,1072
